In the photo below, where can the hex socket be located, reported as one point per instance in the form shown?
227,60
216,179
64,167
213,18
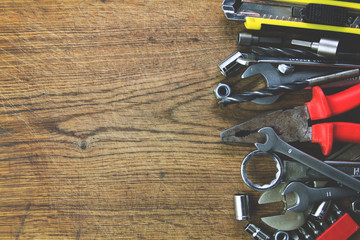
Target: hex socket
242,209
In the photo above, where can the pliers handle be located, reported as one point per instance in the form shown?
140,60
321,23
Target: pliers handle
321,107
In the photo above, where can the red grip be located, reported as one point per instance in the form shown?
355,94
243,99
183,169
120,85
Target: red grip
326,133
342,229
321,106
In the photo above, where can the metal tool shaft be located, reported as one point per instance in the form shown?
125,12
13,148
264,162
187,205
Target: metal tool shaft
282,52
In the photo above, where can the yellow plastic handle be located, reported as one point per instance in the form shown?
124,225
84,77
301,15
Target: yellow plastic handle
256,23
350,5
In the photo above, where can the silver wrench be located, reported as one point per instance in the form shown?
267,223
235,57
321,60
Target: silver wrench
287,220
275,144
305,196
273,77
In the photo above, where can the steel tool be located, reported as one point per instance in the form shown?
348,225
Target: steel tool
288,87
281,235
293,124
247,39
328,48
305,233
242,209
321,210
274,144
287,220
283,52
236,62
256,232
306,196
325,47
273,77
355,206
264,187
313,228
294,171
222,91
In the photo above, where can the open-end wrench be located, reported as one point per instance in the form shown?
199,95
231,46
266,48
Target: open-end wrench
273,77
305,196
275,144
287,220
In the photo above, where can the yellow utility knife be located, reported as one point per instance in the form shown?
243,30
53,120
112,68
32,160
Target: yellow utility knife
324,15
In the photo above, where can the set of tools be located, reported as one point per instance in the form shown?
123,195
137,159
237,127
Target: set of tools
307,186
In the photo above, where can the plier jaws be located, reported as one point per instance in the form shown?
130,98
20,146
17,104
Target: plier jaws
293,125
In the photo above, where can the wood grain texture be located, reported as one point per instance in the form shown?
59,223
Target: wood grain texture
109,126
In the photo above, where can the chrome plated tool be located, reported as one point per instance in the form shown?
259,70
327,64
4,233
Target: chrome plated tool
274,144
306,196
236,62
275,90
287,220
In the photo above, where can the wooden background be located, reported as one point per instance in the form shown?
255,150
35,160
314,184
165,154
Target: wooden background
109,127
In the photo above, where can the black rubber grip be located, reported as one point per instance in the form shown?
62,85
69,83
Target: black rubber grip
325,14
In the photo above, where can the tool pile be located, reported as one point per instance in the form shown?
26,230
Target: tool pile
307,186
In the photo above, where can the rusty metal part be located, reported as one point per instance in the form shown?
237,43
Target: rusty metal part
292,127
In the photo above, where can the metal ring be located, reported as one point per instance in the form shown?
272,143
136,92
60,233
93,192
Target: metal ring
264,187
222,91
281,235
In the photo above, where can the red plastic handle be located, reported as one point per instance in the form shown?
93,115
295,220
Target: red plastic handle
326,133
342,229
321,106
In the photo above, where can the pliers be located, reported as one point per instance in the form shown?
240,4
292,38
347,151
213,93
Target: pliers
294,124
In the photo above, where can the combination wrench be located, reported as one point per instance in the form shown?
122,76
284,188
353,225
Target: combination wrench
305,196
274,144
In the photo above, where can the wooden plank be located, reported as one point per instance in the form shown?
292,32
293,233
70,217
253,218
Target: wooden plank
109,127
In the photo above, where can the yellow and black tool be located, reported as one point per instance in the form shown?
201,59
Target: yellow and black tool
324,15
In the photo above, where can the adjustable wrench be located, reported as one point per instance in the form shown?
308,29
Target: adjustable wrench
275,144
305,196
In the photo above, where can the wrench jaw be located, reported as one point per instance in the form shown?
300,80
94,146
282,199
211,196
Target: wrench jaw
296,189
271,75
286,221
270,140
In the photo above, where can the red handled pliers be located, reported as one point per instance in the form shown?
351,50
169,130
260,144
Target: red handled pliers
294,124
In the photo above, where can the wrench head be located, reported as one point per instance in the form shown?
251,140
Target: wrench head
267,70
272,77
301,193
271,140
287,220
